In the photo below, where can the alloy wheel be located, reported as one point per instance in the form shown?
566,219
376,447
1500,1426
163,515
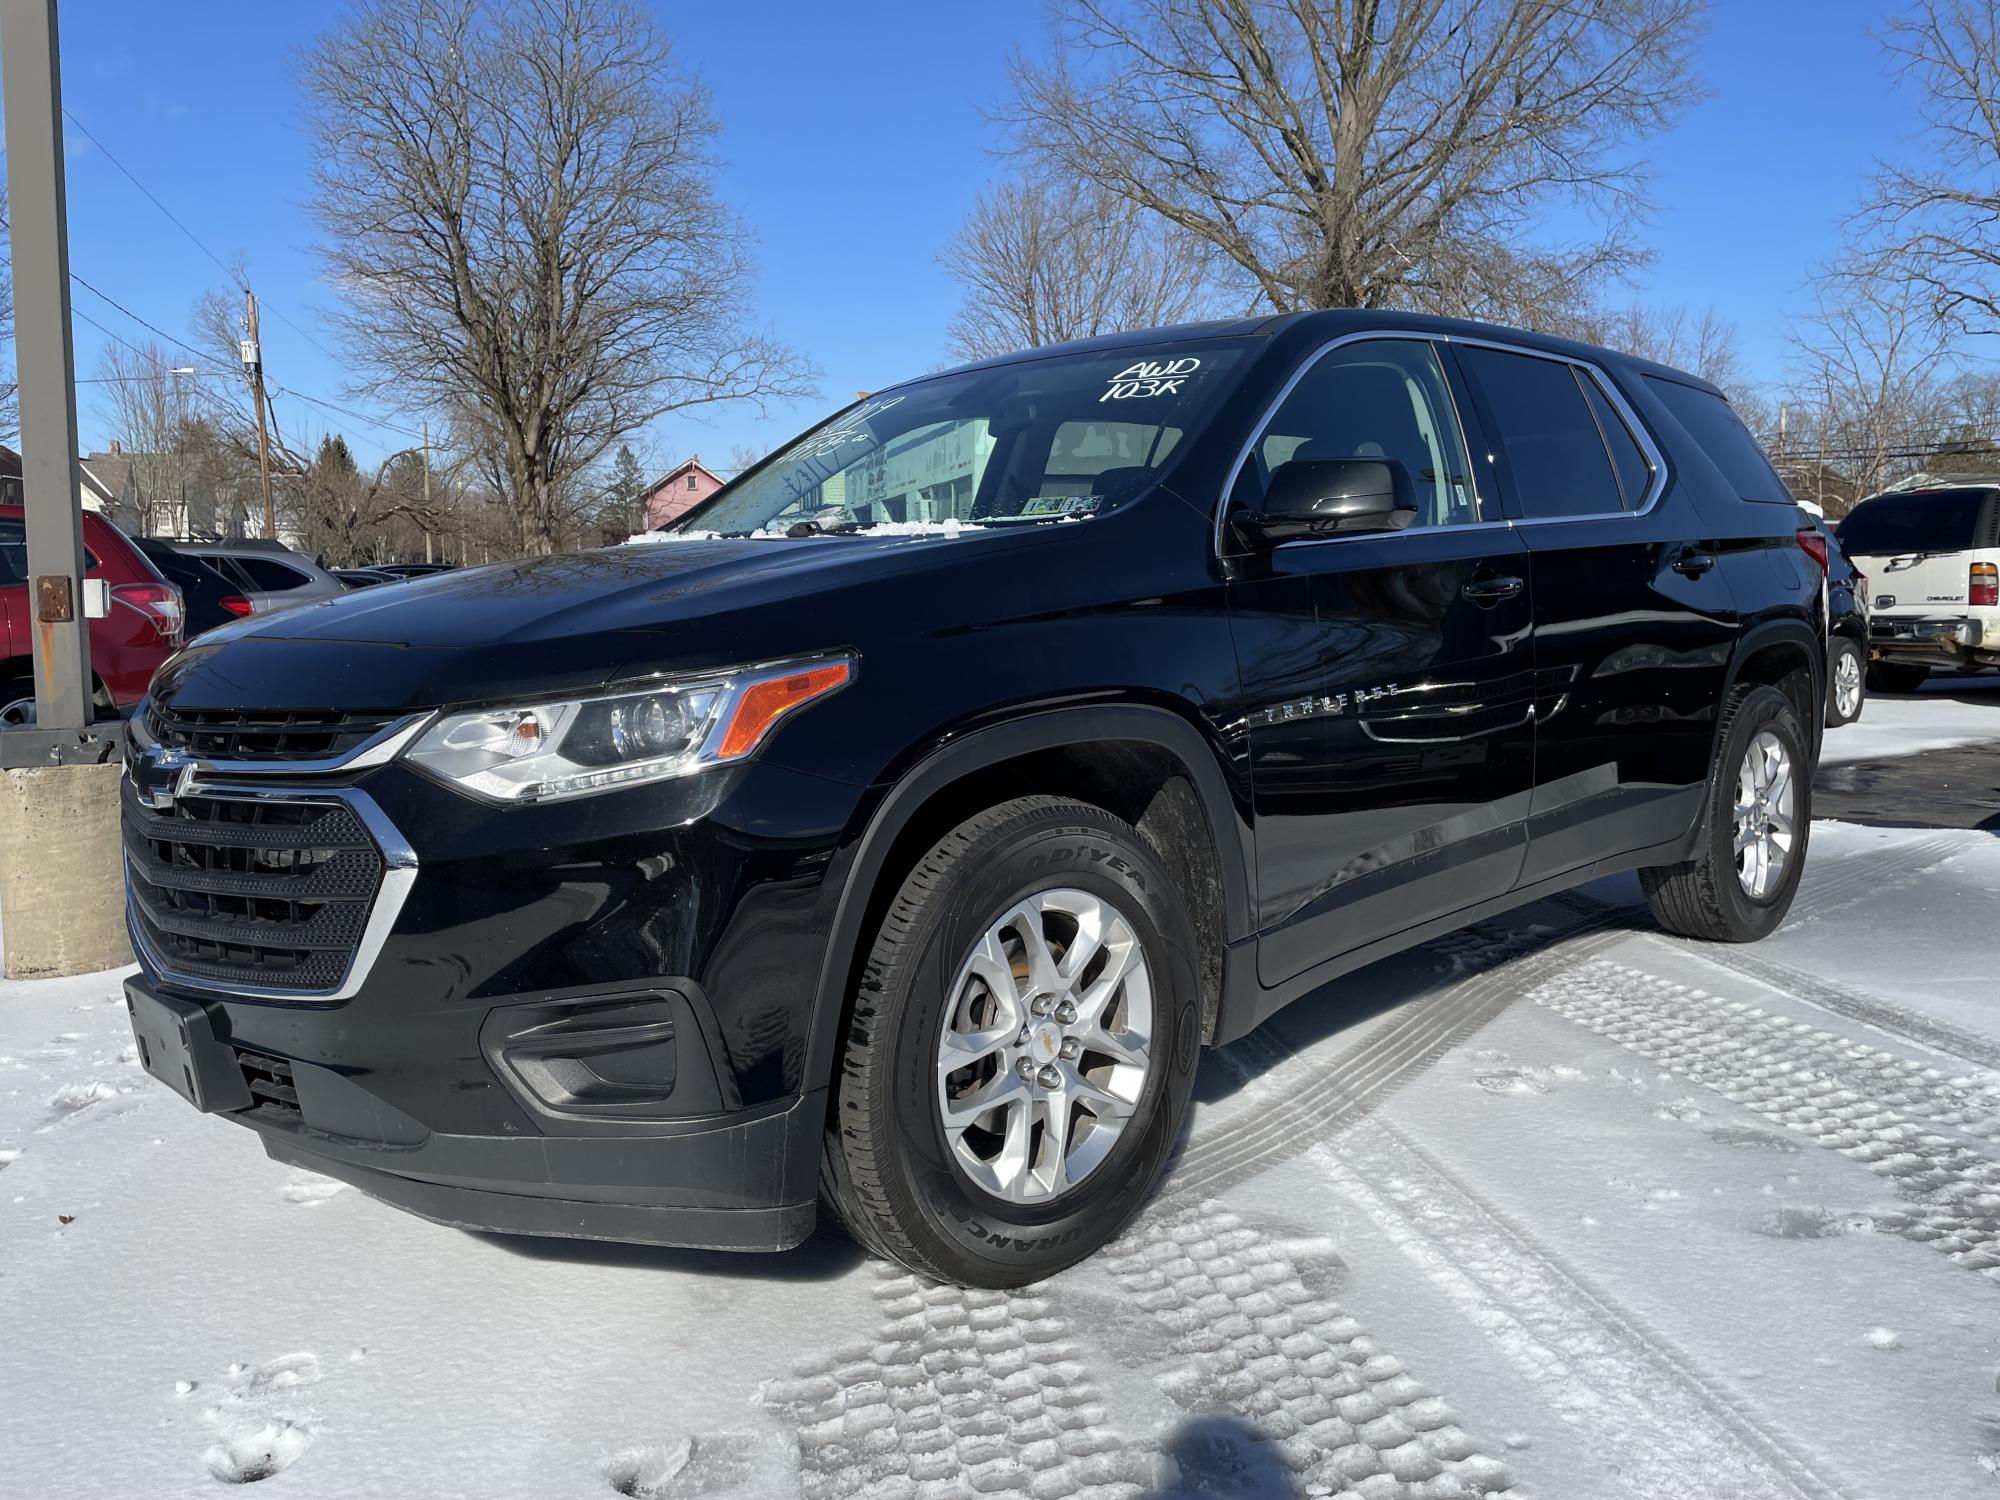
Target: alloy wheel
1046,1045
1765,798
1847,685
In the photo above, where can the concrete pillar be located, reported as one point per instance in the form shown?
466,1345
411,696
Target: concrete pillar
62,896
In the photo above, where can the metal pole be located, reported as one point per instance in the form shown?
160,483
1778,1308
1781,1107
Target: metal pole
256,363
31,78
427,489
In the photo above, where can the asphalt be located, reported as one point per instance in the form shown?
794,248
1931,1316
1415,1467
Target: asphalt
1955,788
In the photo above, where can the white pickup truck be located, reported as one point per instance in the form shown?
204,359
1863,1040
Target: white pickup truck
1932,557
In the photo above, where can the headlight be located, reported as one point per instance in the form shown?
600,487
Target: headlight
538,752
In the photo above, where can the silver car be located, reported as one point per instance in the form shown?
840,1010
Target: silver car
269,576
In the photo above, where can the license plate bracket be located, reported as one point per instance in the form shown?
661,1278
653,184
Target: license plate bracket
178,1045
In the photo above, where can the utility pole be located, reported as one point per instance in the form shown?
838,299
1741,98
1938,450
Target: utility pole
427,489
253,363
31,77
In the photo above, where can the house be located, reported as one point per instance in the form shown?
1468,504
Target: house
679,490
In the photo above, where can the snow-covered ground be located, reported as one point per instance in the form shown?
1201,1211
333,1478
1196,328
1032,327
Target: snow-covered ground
1557,1206
1944,712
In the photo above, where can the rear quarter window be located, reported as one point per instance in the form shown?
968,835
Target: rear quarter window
1934,521
269,575
1714,425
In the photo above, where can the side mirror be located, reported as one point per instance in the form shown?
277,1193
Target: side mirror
1313,497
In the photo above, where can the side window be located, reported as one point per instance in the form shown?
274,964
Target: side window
1635,470
269,575
13,551
1555,453
1713,423
1382,398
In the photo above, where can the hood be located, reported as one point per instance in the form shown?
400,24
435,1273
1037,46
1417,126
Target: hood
578,593
555,624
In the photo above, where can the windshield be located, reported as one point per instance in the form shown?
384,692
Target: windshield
1035,440
1921,521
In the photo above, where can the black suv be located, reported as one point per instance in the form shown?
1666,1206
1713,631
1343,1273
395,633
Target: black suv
904,823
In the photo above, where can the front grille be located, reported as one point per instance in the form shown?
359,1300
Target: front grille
233,734
252,892
272,1088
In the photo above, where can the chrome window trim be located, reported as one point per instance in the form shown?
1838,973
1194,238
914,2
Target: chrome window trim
377,750
1612,394
399,874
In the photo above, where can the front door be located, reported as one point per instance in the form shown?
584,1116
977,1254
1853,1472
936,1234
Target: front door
1387,679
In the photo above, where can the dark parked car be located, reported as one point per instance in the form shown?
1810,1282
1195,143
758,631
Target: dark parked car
270,576
127,645
209,598
413,570
909,823
364,578
1847,627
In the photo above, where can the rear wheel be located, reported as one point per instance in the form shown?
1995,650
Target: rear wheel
1845,690
1895,677
1755,826
1018,1062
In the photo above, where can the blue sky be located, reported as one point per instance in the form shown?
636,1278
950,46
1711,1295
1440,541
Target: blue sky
855,144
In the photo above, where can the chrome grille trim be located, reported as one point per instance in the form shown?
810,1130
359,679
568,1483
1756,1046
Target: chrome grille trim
399,874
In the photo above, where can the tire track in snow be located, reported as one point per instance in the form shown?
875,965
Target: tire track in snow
1868,1105
1255,1340
1650,1412
1929,1032
1315,1096
960,1387
1827,887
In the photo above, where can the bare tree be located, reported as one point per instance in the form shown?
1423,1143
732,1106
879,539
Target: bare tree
1042,263
1358,154
150,399
518,205
1937,218
1870,394
1701,342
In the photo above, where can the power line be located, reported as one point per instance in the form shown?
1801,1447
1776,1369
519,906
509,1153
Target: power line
228,270
177,343
346,411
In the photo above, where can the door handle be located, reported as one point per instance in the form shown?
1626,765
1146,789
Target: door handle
1693,562
1491,589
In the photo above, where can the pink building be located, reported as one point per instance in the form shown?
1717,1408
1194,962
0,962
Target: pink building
679,491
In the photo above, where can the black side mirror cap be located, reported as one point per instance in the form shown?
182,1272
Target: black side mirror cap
1317,497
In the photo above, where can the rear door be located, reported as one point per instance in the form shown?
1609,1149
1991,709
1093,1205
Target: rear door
1386,677
1634,621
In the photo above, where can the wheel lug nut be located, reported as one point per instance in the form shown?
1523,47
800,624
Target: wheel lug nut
1040,1005
1066,1012
1026,1068
1070,1048
1050,1077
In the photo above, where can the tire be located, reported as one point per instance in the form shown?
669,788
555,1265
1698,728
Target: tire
903,1184
1709,897
17,701
1895,677
1845,683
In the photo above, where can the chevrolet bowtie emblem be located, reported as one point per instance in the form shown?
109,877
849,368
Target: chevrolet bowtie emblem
161,775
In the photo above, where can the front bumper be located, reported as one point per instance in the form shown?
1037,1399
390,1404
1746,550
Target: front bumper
593,1166
1941,641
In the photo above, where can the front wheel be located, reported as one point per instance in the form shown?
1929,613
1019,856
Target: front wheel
1755,824
1845,689
1021,1049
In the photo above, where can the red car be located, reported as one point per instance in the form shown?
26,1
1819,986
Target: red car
126,647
